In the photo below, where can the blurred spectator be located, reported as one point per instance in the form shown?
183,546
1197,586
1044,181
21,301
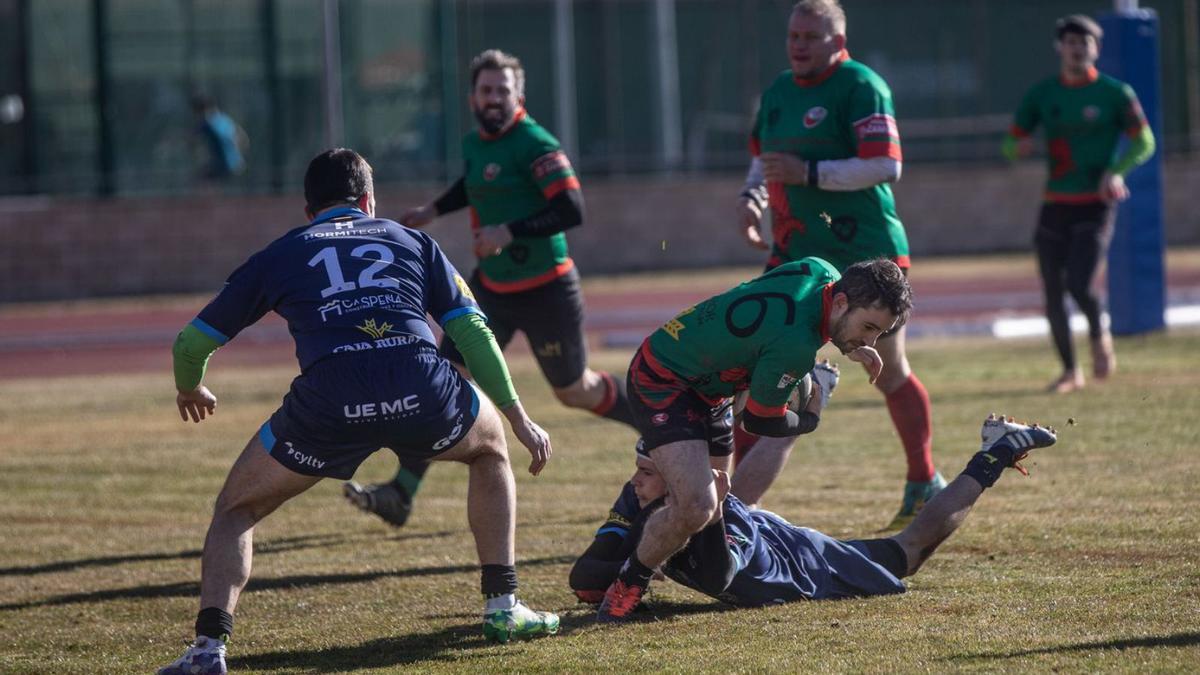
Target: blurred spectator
225,142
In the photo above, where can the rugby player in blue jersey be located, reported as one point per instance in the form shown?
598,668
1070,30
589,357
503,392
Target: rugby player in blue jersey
355,291
750,557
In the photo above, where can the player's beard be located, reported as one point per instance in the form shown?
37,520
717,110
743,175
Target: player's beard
491,122
837,335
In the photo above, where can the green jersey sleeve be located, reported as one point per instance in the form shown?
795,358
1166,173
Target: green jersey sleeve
1131,118
756,130
873,120
549,166
1027,118
775,376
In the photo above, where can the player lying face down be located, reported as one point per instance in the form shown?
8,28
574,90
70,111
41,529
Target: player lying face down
750,557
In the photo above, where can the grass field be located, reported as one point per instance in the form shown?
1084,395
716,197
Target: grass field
1090,564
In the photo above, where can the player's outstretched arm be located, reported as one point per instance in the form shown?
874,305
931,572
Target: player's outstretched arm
533,437
752,204
190,355
486,362
451,200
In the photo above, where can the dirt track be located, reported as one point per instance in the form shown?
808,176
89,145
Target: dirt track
82,338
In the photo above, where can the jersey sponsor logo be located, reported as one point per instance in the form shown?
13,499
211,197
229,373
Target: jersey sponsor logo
659,419
519,253
844,227
550,349
491,171
1091,113
786,380
814,116
343,230
615,518
406,406
385,301
376,331
674,326
301,458
381,343
463,287
550,163
878,124
453,436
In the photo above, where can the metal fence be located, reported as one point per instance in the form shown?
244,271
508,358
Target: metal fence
94,94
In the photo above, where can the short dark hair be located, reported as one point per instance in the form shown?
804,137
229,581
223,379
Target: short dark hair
494,59
1080,24
877,282
336,176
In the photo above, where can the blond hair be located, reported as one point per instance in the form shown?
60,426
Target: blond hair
830,10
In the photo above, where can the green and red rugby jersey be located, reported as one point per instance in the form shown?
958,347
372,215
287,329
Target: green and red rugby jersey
844,112
762,335
1083,123
513,175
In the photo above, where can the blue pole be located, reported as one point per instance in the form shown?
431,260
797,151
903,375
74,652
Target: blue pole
1136,270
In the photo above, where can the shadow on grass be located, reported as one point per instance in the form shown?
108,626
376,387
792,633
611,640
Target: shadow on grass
458,644
267,547
192,589
1175,640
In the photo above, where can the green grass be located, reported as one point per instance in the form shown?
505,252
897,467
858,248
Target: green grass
1090,564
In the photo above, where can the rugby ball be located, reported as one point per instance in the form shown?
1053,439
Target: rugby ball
801,394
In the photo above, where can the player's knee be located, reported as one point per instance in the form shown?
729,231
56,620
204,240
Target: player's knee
575,395
237,508
1080,289
892,379
489,437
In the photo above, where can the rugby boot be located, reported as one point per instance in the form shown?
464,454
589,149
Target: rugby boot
389,501
916,494
205,656
1008,441
502,625
619,602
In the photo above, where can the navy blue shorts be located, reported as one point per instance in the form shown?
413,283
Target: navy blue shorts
346,407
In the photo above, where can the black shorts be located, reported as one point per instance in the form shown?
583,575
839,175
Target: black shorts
666,410
550,316
344,408
1064,226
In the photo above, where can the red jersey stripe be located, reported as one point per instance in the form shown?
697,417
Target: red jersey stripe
568,183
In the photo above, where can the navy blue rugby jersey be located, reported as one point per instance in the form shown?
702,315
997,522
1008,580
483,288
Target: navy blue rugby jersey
346,282
778,562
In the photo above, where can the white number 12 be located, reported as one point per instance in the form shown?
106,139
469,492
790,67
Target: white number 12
366,278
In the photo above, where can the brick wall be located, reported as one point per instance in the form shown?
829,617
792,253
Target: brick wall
72,248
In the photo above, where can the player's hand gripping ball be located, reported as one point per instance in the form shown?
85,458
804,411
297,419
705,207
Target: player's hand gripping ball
801,394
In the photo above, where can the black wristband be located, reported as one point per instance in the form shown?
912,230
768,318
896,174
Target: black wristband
814,180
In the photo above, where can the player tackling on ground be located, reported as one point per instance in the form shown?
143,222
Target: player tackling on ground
750,557
1084,114
761,337
523,195
355,291
826,148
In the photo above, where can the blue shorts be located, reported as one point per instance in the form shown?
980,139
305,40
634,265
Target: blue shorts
344,408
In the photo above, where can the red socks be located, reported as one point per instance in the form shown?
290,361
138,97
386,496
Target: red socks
910,410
